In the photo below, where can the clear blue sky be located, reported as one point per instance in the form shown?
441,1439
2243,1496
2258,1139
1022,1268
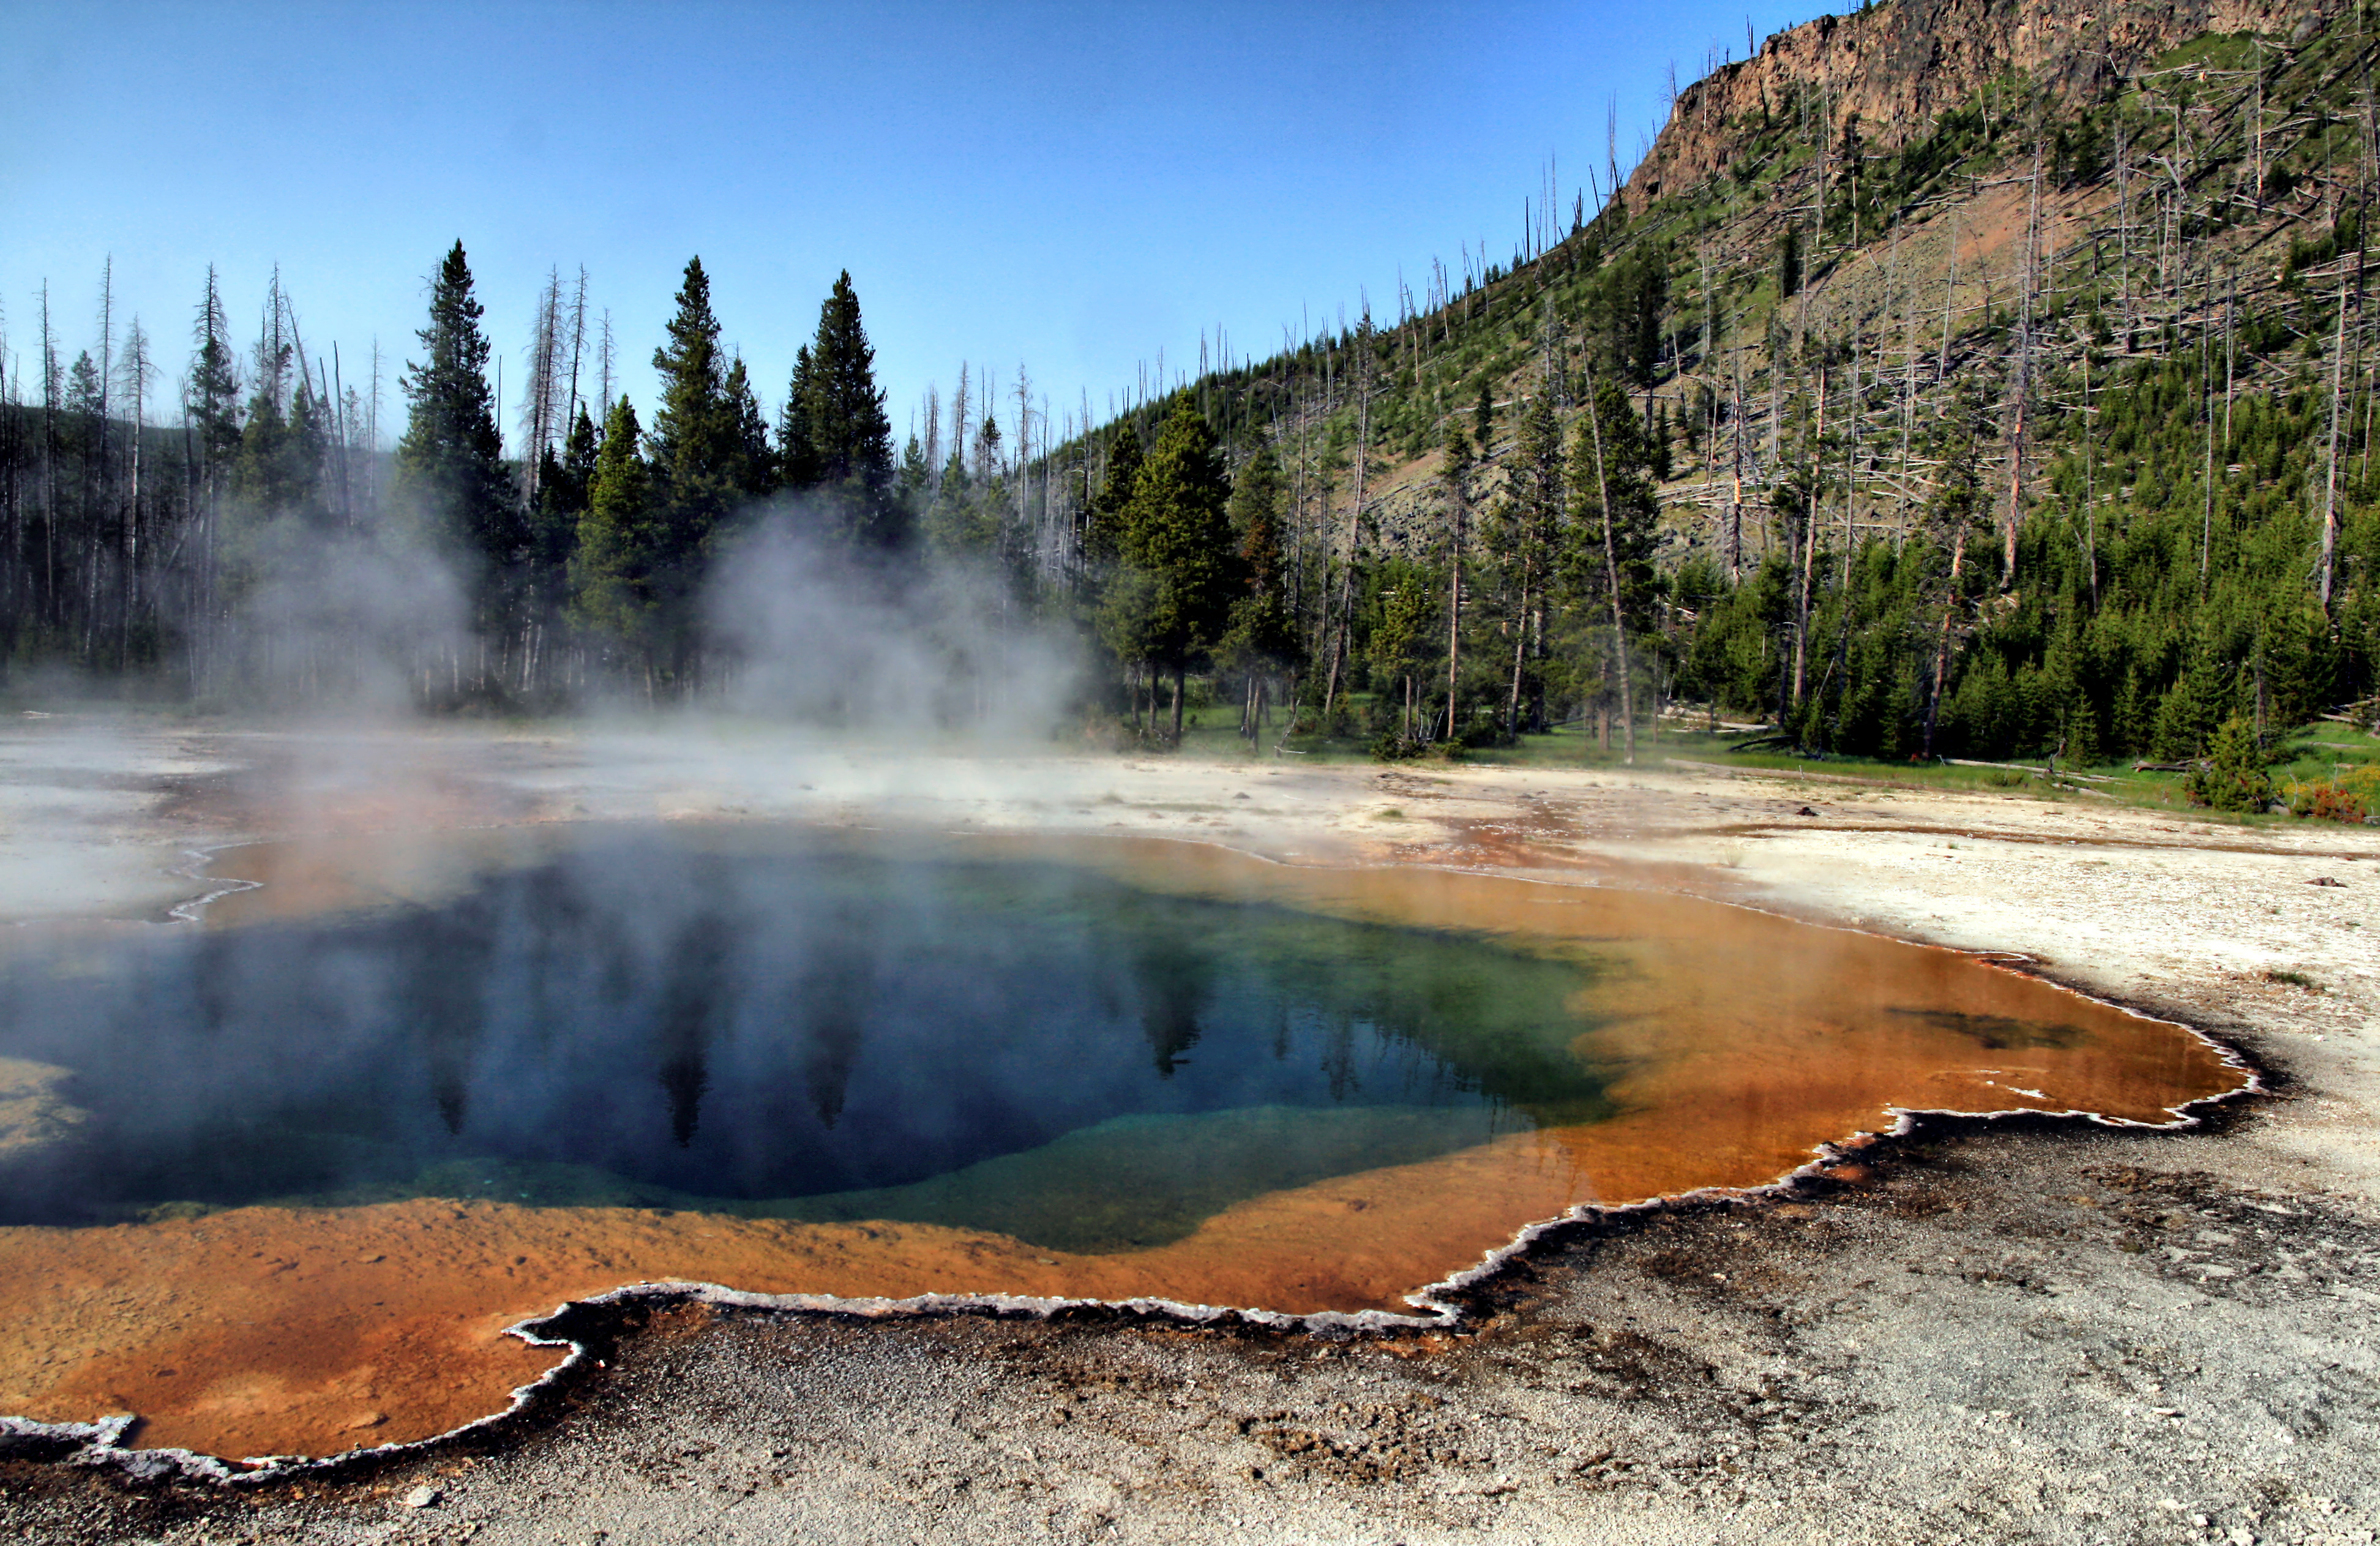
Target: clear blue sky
1076,187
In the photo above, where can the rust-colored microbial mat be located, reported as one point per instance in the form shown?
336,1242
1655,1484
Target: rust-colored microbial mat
402,1097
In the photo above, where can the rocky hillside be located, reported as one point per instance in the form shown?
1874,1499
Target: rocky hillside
2048,321
1884,75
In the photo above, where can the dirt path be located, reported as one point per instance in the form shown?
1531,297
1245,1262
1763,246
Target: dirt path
2041,1335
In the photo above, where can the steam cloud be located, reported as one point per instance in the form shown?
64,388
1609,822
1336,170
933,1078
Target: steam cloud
814,635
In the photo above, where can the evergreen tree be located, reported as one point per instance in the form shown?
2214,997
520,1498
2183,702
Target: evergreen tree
212,399
752,468
1629,467
697,437
911,488
1260,636
797,460
1177,567
618,576
1103,540
448,460
565,486
844,436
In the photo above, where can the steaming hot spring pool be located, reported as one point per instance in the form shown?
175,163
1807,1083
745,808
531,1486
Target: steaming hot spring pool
279,1182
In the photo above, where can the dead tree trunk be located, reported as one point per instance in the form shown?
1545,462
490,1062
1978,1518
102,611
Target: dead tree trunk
2330,474
1611,577
1942,644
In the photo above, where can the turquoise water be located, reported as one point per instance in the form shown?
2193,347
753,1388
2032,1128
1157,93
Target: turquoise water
797,1026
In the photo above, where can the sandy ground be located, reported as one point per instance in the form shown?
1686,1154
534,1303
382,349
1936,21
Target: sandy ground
2047,1334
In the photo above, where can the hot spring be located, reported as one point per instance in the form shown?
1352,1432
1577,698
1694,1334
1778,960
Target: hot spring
278,1183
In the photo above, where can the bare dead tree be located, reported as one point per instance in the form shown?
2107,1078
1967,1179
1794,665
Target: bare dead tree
603,363
1611,576
578,346
2020,388
2327,563
1362,391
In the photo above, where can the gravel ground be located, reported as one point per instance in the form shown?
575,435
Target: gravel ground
2055,1333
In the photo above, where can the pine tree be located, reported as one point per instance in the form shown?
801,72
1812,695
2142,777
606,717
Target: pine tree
212,399
697,451
617,576
449,459
1177,538
844,434
797,460
1260,635
565,486
752,468
913,484
1103,540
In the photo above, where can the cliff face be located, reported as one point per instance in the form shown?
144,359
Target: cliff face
1896,67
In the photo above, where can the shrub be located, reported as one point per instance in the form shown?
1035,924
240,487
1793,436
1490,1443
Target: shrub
2232,775
2350,797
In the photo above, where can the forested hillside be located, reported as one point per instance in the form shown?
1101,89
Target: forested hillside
1948,379
2040,424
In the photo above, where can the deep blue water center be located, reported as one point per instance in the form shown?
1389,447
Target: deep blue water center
803,1026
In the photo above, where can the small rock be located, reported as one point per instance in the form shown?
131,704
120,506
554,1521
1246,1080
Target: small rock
2324,880
1805,810
421,1497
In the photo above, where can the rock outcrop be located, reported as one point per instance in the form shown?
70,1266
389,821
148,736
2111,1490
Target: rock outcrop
1896,66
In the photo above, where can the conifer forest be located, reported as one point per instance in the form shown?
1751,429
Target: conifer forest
2038,424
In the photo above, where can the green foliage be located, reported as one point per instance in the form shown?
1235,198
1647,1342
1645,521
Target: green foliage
448,460
708,458
1103,541
2232,777
1177,530
618,579
1612,453
563,487
834,437
278,468
1261,633
212,396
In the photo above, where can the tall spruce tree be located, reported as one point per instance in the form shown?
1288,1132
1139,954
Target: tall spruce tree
449,461
842,435
1103,540
1176,548
213,397
752,469
698,478
797,460
451,456
563,488
1261,636
1262,631
618,574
